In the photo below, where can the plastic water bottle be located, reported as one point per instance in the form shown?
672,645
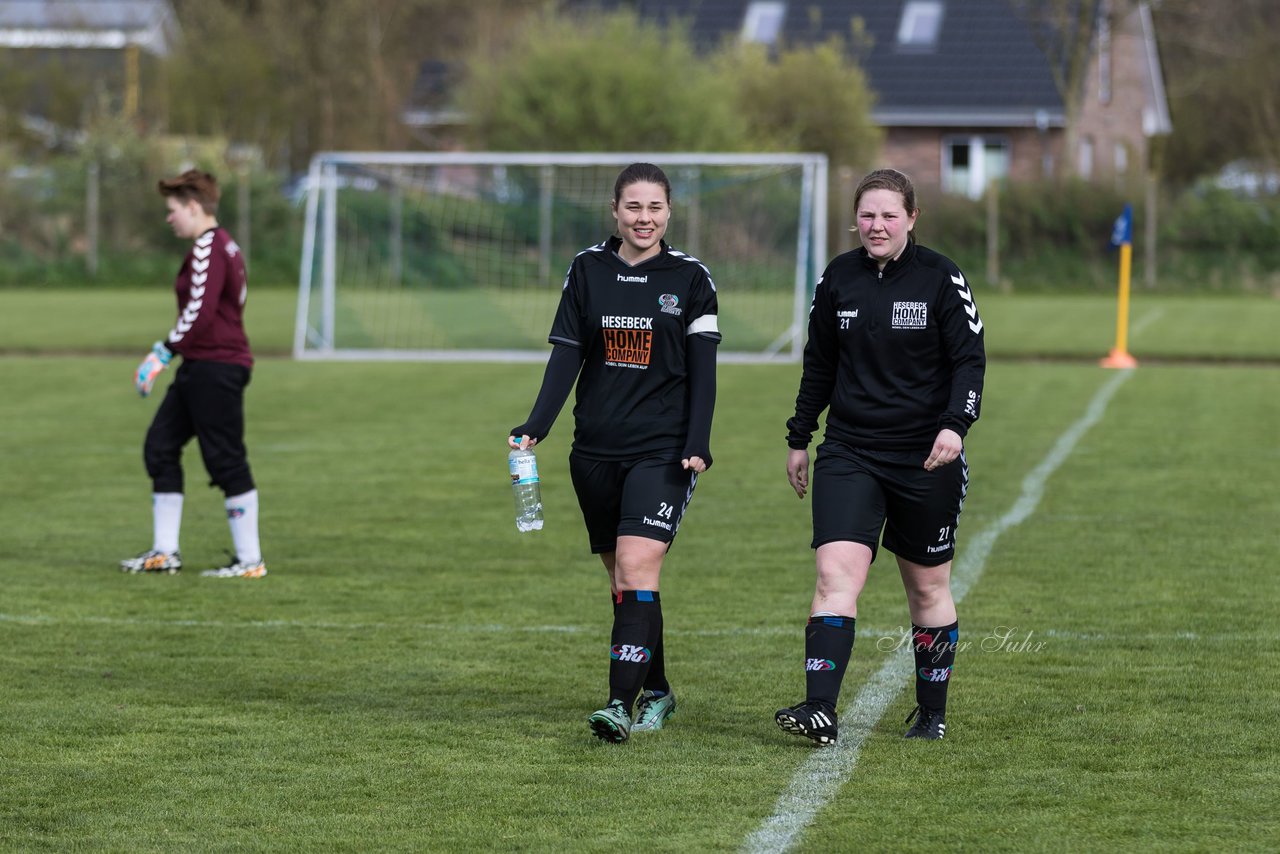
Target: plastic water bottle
524,483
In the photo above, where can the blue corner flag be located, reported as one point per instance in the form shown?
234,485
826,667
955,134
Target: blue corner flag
1122,230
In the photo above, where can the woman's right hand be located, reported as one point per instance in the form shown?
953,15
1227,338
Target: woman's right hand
798,470
523,443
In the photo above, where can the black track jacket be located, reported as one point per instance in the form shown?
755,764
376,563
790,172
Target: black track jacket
897,354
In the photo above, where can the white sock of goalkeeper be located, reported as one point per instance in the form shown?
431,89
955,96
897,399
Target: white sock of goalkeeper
242,516
166,520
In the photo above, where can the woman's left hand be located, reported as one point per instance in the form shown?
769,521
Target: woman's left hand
946,448
696,463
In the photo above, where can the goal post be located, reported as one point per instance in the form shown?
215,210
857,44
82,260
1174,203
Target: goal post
462,256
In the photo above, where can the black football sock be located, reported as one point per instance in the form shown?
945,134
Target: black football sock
656,679
828,643
637,624
935,650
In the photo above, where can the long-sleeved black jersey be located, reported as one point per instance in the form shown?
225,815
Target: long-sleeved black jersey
897,353
634,325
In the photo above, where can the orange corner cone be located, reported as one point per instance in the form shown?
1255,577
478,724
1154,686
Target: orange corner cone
1118,358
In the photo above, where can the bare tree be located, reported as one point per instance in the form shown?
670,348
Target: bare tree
1067,31
295,78
1222,73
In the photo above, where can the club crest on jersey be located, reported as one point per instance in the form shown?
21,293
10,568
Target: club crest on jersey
910,315
670,303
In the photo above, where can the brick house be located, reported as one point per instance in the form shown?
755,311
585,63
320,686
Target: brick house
964,88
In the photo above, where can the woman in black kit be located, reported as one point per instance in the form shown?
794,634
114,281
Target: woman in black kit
896,351
637,329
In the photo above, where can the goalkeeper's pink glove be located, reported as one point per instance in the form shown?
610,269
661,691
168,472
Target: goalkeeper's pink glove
157,360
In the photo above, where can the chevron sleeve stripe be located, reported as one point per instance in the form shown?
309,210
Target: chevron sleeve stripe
205,273
963,339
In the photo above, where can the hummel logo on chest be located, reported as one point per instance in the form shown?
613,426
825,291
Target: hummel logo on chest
639,279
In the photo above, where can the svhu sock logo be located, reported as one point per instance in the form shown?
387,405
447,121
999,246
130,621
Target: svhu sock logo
819,664
935,674
629,652
235,512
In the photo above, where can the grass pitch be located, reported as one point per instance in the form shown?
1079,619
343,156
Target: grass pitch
1067,326
415,675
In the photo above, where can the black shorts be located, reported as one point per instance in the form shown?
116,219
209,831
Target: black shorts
641,498
204,401
858,493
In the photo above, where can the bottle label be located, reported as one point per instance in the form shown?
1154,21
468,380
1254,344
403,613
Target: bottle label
523,469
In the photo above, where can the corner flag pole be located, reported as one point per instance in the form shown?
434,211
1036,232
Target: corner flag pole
1122,236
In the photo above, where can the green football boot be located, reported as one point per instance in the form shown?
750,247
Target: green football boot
612,723
653,710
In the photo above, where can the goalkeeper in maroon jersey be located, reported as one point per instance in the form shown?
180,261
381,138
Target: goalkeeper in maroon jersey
206,398
637,329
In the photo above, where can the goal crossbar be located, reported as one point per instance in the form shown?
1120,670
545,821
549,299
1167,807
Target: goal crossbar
459,256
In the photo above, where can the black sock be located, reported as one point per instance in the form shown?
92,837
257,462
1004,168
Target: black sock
935,650
637,626
828,643
656,679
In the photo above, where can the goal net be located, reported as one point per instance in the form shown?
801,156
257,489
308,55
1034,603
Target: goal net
462,256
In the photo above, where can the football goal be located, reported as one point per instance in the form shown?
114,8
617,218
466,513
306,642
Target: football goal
462,256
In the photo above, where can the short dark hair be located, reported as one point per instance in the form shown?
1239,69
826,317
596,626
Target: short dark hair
637,172
193,185
888,179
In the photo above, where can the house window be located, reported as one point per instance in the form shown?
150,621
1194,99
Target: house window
1122,158
762,22
970,163
920,24
1104,61
1084,160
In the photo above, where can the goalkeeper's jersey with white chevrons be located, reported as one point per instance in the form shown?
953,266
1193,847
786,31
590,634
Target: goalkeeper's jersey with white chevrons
212,289
633,324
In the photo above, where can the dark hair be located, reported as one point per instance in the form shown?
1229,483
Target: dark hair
193,185
888,179
637,172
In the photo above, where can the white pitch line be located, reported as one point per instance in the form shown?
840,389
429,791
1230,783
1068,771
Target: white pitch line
1146,320
871,634
323,625
471,628
820,777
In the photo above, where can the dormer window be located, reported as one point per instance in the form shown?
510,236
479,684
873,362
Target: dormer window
920,24
762,22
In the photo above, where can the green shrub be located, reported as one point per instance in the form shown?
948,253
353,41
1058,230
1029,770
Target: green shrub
1222,223
1056,237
